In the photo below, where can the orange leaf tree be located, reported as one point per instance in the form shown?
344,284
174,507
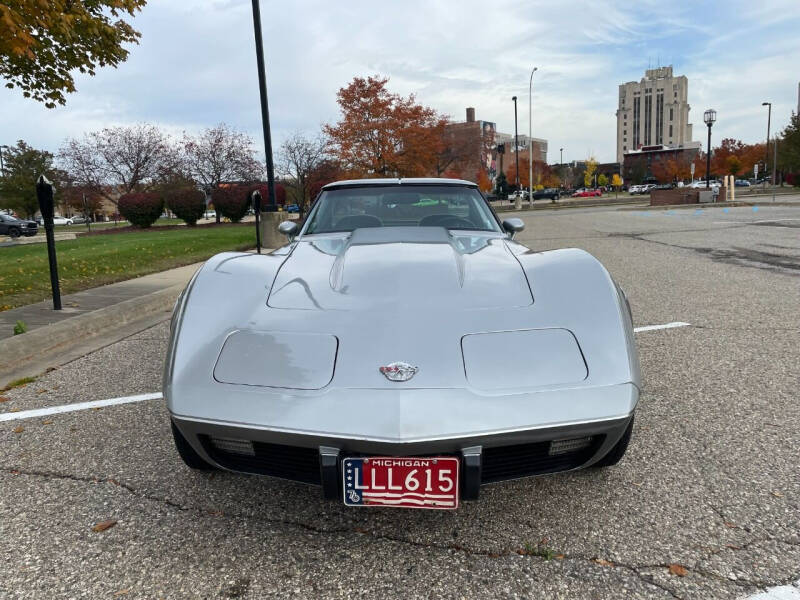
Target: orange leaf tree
384,134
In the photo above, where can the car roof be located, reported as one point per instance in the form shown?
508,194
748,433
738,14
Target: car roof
406,181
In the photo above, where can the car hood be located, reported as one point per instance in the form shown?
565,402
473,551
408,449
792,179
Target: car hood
408,267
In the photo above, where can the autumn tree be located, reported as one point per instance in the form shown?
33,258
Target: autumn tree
588,174
22,167
299,156
219,154
384,134
42,43
458,147
120,160
602,180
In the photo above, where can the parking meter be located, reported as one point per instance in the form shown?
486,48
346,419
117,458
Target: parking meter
44,194
256,200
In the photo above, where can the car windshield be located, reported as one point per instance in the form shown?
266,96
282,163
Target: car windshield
448,206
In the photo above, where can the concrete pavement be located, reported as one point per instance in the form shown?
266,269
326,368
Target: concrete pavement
706,504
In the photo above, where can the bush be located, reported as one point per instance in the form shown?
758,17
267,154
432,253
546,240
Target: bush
280,194
188,204
141,209
231,202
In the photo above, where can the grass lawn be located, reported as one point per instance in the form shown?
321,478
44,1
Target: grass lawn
94,260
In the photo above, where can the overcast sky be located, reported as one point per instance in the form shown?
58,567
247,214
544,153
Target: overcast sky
195,66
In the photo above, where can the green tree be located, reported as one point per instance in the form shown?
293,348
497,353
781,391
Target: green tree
501,186
23,165
42,43
602,180
588,174
789,147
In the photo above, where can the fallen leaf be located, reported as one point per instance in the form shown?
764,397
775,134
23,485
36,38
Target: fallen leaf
733,546
97,408
48,422
103,525
121,593
776,494
4,398
15,409
731,525
559,556
603,562
678,570
18,429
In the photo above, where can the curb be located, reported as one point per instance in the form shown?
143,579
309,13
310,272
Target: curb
705,205
565,205
60,337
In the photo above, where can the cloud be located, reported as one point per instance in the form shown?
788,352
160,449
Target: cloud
195,65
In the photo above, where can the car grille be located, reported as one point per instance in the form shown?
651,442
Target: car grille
277,460
522,460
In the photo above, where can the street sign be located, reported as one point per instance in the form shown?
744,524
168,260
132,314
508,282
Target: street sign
691,168
755,171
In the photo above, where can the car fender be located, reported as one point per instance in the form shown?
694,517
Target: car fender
573,290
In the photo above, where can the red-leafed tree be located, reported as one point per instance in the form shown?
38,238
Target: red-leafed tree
384,134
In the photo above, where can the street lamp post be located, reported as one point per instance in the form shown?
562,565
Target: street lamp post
530,137
708,118
766,155
262,87
516,143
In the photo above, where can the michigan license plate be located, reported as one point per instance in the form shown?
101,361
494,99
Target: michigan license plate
401,482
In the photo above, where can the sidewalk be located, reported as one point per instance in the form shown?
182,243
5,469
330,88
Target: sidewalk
42,313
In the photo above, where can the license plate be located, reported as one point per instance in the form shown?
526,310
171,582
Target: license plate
401,482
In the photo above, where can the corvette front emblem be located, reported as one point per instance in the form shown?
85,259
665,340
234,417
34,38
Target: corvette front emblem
399,371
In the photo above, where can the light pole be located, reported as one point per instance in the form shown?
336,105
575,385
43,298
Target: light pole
530,137
262,87
766,156
516,143
708,118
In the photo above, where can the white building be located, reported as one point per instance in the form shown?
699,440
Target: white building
654,111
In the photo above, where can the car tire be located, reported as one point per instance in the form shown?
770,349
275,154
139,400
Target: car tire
192,459
13,232
618,451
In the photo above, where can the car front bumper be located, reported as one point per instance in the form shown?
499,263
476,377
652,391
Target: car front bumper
510,444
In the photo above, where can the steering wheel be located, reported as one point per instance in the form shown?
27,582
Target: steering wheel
456,223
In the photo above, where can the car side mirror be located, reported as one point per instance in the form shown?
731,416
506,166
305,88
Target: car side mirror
288,228
513,226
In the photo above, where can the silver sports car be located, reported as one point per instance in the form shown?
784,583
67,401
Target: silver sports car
402,350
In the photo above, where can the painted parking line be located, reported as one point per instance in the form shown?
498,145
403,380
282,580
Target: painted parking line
664,326
65,408
781,592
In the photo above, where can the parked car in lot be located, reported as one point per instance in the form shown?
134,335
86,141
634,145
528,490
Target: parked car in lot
550,193
210,214
15,227
59,220
701,184
586,193
337,368
292,208
741,183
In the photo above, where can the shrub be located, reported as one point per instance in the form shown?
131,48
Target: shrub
231,202
280,193
20,327
141,209
188,204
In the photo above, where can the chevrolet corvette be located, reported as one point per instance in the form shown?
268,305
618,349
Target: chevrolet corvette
402,350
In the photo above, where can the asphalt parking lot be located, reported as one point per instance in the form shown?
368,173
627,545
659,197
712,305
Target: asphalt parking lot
706,504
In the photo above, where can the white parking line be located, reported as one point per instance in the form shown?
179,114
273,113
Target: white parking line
781,592
65,408
664,326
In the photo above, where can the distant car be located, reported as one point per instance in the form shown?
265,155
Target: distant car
59,220
210,214
701,184
78,219
292,208
551,193
665,186
741,183
14,227
586,193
